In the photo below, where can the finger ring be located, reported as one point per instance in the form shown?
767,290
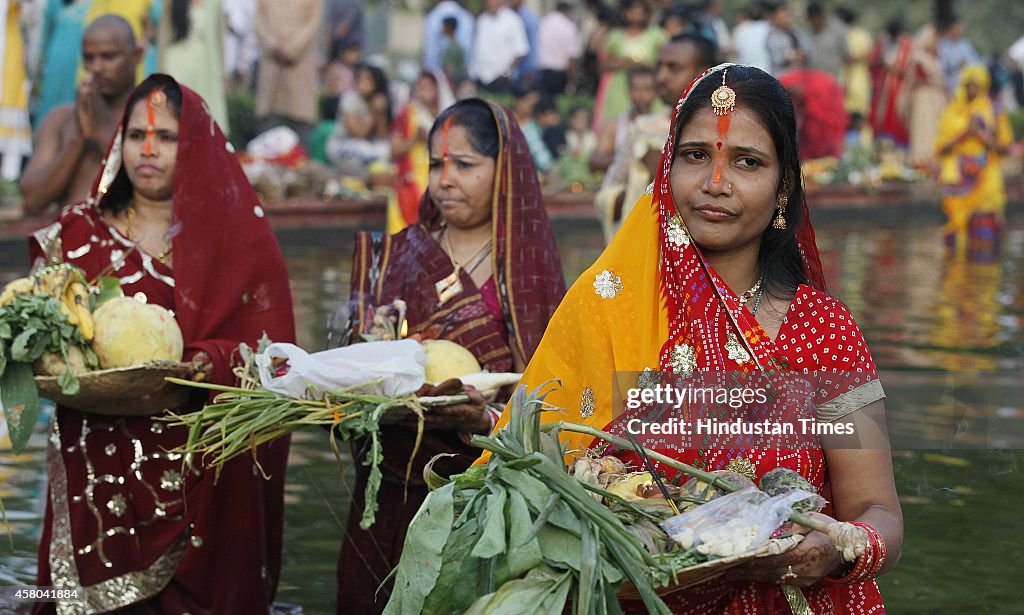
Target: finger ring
789,574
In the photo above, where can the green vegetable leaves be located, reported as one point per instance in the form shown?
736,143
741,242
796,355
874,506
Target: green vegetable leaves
525,536
20,398
31,326
424,543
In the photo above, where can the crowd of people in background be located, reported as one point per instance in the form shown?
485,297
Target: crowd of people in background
575,78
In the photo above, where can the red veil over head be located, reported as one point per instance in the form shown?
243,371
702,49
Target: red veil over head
231,282
688,296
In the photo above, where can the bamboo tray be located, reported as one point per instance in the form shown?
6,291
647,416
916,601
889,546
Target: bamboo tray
123,391
701,573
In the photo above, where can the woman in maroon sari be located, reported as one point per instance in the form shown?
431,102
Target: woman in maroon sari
177,222
480,268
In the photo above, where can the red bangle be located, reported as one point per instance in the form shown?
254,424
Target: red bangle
869,564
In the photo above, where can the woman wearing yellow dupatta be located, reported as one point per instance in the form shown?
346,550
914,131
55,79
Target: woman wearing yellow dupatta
716,270
973,138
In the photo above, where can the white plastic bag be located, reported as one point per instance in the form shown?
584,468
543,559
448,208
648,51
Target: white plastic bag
397,364
735,523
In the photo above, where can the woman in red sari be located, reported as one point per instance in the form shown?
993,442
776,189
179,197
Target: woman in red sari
174,218
480,268
716,273
892,60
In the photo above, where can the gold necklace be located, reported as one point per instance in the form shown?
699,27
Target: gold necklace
733,347
163,256
451,285
451,251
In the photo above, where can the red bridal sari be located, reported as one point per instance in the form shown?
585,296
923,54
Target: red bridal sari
652,302
124,520
510,311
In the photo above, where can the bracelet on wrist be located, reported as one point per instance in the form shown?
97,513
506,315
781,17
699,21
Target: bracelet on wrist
868,564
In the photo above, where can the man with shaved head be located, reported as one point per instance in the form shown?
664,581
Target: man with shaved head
72,140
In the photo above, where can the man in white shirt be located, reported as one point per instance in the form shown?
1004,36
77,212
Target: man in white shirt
500,45
750,38
560,47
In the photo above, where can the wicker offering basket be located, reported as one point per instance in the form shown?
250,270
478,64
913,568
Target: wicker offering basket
695,575
136,390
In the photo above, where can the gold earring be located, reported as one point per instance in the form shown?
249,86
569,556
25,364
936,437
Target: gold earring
779,223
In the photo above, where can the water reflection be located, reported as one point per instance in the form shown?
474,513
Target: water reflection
919,311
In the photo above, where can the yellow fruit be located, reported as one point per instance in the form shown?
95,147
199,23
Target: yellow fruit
129,332
626,486
51,364
448,360
15,288
77,298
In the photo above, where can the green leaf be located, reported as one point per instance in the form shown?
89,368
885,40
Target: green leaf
590,555
67,381
109,288
560,548
542,592
534,490
458,582
524,550
492,540
20,399
420,565
20,348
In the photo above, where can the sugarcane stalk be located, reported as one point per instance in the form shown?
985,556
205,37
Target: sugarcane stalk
707,477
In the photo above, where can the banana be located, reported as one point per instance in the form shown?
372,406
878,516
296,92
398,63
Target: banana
67,306
53,280
65,283
16,288
78,296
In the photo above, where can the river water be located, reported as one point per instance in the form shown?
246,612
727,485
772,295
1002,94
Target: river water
946,333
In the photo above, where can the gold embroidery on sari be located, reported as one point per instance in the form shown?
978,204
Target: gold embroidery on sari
607,285
742,465
587,402
684,359
111,166
735,349
114,593
676,232
851,401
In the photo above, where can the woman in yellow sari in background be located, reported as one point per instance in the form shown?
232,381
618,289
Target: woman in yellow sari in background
973,138
15,134
431,94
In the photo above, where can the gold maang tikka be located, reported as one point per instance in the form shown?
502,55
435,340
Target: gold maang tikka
723,99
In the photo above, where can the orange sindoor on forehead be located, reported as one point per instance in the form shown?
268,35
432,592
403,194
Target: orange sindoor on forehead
156,98
446,159
723,101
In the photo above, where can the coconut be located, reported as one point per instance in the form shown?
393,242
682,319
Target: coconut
446,360
129,332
